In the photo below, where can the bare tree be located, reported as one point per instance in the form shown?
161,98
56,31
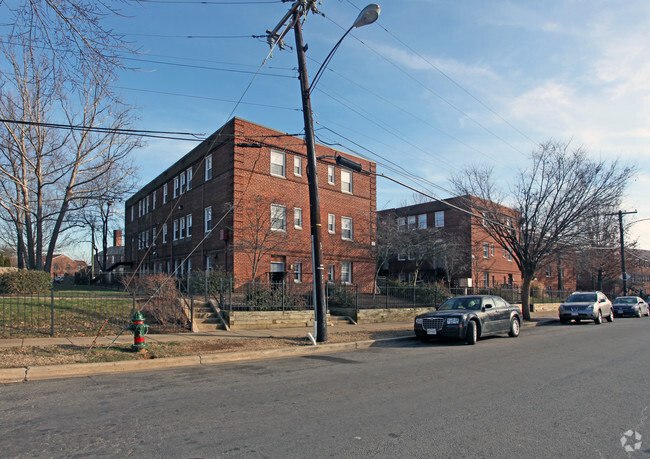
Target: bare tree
49,174
71,34
262,231
551,199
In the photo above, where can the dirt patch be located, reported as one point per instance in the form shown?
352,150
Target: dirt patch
19,357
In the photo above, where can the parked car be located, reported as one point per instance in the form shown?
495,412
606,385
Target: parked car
469,318
586,306
630,306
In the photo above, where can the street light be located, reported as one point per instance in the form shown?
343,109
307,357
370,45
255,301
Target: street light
367,16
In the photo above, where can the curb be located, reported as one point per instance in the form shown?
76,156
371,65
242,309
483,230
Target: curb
45,372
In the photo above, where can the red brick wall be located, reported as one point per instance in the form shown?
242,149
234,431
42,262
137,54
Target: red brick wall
241,175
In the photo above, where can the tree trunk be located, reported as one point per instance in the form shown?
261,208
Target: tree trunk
599,285
525,295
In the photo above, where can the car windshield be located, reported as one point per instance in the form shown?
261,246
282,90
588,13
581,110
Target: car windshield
582,298
625,300
461,303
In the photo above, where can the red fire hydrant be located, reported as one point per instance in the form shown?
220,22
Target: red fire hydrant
139,329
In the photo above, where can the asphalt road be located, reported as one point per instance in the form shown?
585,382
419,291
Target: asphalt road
556,391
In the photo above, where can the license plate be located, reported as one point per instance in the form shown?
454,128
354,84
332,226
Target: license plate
574,314
431,331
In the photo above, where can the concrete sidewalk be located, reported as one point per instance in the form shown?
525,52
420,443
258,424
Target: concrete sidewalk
12,375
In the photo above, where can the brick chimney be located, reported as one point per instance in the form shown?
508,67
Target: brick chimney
117,238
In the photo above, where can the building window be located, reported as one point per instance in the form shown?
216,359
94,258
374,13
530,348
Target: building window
183,182
331,223
422,221
330,175
401,255
297,218
208,168
132,212
346,181
509,255
207,218
175,230
411,222
164,233
297,272
548,271
486,250
440,219
188,224
401,224
139,208
330,273
411,254
182,228
346,272
491,250
486,279
504,252
188,173
346,228
165,193
153,200
148,200
277,267
297,166
278,217
277,163
175,187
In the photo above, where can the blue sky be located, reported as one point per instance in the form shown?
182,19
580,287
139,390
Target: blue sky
432,87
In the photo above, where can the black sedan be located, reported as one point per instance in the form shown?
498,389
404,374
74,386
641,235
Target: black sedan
469,318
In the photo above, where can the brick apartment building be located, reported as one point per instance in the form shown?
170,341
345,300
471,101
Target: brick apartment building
480,260
240,201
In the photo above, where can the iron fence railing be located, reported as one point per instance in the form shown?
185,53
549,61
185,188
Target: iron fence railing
84,313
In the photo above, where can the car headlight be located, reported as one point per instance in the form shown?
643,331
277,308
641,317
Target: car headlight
453,320
419,321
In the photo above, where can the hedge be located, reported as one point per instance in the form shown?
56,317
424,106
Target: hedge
24,281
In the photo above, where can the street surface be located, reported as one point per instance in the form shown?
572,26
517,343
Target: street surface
556,391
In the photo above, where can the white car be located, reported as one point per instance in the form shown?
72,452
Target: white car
586,306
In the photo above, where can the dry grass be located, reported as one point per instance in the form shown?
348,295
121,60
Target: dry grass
19,357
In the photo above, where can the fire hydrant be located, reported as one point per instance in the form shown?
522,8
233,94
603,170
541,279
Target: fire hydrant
139,329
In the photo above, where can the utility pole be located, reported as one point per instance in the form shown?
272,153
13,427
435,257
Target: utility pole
623,271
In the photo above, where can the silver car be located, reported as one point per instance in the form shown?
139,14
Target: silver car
630,306
586,306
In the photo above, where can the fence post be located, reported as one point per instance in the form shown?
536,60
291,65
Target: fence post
357,300
413,295
230,297
387,288
206,286
283,290
52,311
191,313
133,312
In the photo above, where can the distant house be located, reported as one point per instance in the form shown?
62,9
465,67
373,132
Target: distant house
454,225
114,266
62,265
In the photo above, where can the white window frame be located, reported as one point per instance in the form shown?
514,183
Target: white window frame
422,221
207,219
189,174
176,186
486,250
401,255
182,228
297,272
331,223
275,156
183,182
188,225
346,272
164,233
492,250
331,273
401,224
175,228
278,214
297,218
347,228
331,174
165,193
153,200
132,207
439,218
411,222
346,181
208,167
297,166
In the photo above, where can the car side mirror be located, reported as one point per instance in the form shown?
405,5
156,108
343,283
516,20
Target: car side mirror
487,306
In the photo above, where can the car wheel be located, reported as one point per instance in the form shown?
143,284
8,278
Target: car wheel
610,317
599,318
472,332
638,314
577,321
514,328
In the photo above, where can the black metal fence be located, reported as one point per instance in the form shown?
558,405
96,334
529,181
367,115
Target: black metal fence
84,313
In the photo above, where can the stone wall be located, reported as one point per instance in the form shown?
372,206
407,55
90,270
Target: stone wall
367,316
249,320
